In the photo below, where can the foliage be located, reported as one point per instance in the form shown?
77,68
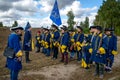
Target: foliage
86,30
1,24
109,15
70,20
82,24
85,24
15,24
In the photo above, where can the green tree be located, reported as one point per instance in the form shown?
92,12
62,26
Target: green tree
1,24
70,20
86,22
15,24
82,24
109,14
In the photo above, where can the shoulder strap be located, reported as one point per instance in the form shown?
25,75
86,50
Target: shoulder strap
78,37
100,43
8,41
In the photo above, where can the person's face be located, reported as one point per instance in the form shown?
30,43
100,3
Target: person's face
54,28
62,31
92,30
43,30
97,31
46,31
107,32
79,30
19,32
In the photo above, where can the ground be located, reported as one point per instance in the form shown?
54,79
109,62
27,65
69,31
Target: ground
44,68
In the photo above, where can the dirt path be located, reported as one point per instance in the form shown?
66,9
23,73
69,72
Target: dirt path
55,72
68,72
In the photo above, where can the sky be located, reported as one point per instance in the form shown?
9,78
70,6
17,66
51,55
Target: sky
37,12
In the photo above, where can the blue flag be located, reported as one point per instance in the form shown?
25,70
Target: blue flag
55,15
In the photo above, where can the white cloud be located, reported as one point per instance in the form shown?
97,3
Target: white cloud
25,5
24,10
35,22
77,9
79,12
47,5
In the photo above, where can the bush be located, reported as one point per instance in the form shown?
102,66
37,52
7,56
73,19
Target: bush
86,30
117,32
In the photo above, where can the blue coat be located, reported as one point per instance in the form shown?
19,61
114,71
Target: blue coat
56,36
14,42
42,36
65,39
47,38
37,41
86,48
27,41
86,54
89,38
71,44
80,39
111,45
97,57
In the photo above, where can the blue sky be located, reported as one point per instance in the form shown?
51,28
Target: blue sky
37,12
90,3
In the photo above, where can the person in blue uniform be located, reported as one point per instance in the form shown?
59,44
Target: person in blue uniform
79,38
27,46
111,49
99,50
14,64
38,41
42,39
55,36
87,48
71,45
64,42
47,42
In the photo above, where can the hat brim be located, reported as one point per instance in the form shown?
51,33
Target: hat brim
46,29
92,27
63,28
54,26
16,28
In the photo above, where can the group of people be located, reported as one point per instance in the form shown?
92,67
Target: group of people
97,48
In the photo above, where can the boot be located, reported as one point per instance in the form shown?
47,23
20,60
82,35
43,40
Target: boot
27,57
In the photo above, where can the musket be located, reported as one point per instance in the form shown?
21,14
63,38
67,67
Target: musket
101,37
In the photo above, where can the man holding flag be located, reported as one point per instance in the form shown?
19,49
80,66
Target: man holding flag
55,17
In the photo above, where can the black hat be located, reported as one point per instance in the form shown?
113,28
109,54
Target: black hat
64,27
109,29
46,29
16,28
92,27
99,28
53,25
70,30
80,28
